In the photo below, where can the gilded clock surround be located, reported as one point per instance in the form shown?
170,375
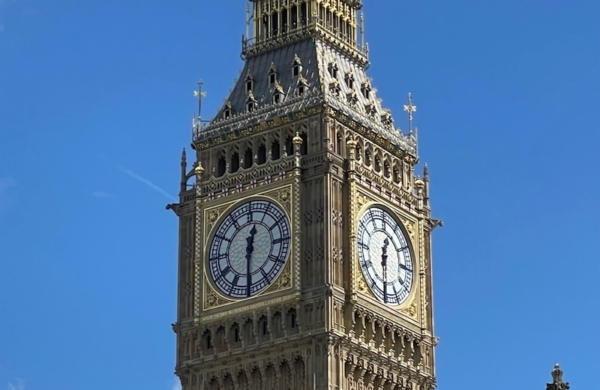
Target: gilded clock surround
409,305
282,197
323,153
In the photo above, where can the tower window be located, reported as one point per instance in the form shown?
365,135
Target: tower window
366,90
289,146
352,99
284,20
277,97
304,146
274,25
235,162
265,26
262,154
332,68
250,106
303,13
349,80
294,16
296,66
275,150
301,90
248,158
293,323
227,110
272,75
249,83
221,166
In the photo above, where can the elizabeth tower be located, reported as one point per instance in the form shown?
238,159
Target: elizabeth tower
304,234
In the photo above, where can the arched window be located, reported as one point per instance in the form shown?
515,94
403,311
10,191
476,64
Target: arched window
284,21
235,162
338,144
275,23
289,146
377,164
275,150
294,17
221,166
248,158
303,14
207,340
262,154
304,148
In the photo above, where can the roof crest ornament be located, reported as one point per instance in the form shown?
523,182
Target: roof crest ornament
410,108
200,95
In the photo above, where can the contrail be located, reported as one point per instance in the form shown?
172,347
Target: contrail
147,182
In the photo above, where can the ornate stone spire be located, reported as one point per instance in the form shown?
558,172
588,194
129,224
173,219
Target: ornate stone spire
557,380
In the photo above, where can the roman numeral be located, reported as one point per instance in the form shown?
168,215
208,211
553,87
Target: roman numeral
275,259
280,240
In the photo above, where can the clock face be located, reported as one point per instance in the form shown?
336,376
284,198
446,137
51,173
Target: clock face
249,249
385,256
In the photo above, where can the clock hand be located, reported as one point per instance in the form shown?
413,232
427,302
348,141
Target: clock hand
384,257
249,250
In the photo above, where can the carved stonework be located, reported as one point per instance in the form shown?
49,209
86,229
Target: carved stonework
362,200
411,310
410,228
213,216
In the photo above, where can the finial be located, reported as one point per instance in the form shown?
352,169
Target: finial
199,170
426,172
200,94
362,30
297,140
557,380
183,156
410,108
248,19
557,373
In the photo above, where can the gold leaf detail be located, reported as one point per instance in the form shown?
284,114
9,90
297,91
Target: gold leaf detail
362,286
211,300
284,195
409,228
285,280
361,200
412,309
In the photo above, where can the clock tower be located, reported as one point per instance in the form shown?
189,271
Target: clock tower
304,233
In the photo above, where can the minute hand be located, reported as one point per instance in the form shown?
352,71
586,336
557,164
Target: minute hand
384,257
249,250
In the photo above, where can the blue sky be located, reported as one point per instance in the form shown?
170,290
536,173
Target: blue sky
96,104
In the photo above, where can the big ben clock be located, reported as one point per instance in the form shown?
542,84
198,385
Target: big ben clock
249,249
385,256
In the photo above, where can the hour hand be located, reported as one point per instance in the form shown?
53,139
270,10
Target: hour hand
250,241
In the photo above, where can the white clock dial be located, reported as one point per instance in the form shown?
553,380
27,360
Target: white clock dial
385,256
249,249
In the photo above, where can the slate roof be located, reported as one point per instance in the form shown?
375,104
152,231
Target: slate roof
315,57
